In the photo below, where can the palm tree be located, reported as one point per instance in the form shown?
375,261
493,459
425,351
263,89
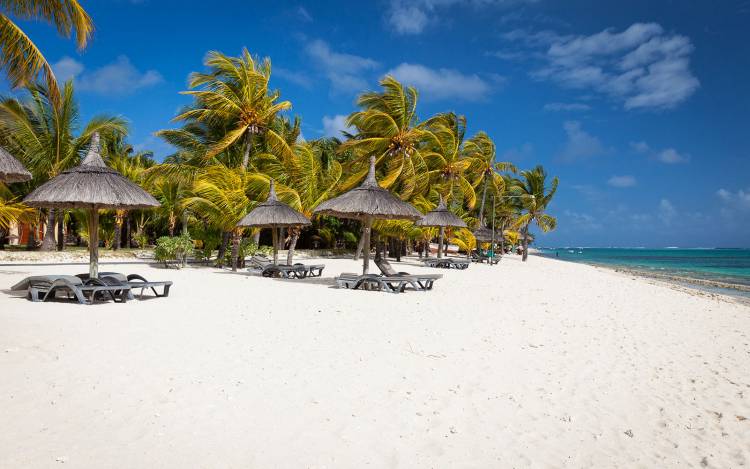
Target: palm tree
235,93
534,199
447,162
43,132
132,165
220,196
480,149
304,178
20,57
387,127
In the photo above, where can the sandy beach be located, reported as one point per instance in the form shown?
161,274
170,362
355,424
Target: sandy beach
542,364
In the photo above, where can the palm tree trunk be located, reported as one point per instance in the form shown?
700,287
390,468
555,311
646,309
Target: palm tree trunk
275,242
126,243
31,239
366,228
60,230
441,237
256,237
119,216
48,243
525,243
184,222
246,154
222,248
360,244
292,247
484,196
502,238
236,238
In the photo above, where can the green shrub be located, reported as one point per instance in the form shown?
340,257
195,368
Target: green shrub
174,250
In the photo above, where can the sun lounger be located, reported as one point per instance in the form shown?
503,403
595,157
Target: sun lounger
447,263
46,287
480,258
422,282
374,282
269,269
135,282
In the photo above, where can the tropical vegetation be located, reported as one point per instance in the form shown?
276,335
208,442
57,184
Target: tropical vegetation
236,135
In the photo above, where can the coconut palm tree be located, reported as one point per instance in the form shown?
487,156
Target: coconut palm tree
43,133
303,181
20,57
387,127
447,162
534,198
234,93
480,149
220,196
12,211
133,166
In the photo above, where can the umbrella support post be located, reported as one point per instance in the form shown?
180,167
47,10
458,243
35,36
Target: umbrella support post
94,243
440,242
275,241
366,246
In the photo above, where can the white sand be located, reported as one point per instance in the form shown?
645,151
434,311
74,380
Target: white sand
544,364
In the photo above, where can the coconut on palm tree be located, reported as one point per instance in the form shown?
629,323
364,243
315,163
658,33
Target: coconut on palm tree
388,128
234,93
534,197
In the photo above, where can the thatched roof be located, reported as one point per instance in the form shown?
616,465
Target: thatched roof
484,234
369,200
11,170
441,216
91,185
273,213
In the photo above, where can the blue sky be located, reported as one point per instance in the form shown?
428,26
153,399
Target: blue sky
640,107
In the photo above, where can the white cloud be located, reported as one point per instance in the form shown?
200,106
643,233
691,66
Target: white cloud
667,156
557,107
671,156
640,147
667,212
622,181
442,83
118,78
643,67
303,14
298,78
333,126
413,16
737,200
345,71
582,221
580,144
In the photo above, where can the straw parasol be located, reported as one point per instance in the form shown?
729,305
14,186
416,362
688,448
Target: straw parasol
367,203
11,170
92,186
274,214
441,217
484,234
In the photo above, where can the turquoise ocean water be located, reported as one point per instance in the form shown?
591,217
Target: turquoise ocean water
720,265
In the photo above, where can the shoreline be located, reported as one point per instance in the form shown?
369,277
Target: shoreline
732,290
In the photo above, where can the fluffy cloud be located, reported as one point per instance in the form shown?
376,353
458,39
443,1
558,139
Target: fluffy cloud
643,67
413,16
737,200
666,156
622,181
333,126
666,211
671,156
345,71
557,107
118,78
298,78
442,83
580,144
582,221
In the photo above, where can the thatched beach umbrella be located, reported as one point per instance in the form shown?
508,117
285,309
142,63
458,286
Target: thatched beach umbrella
484,234
274,214
441,217
367,203
11,170
92,186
